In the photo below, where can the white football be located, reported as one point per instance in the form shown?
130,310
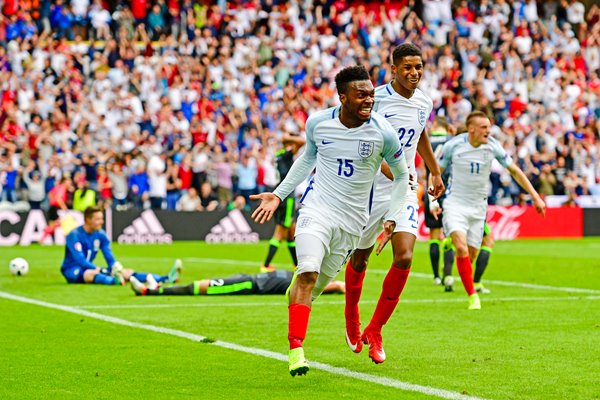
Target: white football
18,266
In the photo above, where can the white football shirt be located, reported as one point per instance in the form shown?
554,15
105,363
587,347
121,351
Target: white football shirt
471,167
347,160
408,118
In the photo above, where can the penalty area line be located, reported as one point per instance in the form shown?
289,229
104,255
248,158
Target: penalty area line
379,380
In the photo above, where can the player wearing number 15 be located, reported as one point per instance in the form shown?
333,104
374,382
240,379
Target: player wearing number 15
347,145
471,155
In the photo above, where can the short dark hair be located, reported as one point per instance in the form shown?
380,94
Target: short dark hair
405,50
90,211
350,74
475,114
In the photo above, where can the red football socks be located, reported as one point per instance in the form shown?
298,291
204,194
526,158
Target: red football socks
393,285
465,270
354,282
297,324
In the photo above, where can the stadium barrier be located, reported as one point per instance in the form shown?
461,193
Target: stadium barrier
591,222
158,226
235,226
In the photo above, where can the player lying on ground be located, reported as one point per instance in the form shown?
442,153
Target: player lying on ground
83,244
275,282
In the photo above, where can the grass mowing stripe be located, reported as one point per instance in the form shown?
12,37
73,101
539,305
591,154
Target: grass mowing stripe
380,380
336,302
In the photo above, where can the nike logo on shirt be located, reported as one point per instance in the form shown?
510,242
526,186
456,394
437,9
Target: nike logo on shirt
386,115
326,142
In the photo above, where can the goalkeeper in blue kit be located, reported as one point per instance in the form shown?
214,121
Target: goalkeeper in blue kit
84,243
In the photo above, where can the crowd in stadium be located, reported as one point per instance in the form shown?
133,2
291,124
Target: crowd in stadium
182,104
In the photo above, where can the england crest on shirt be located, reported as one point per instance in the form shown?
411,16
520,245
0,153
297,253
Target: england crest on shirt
96,244
365,149
421,116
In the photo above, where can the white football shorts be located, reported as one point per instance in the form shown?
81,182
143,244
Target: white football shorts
468,220
409,219
338,243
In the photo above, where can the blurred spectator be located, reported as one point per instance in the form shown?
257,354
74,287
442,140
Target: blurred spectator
157,180
139,186
104,186
247,173
119,186
238,203
173,185
208,199
189,201
36,192
84,196
8,181
215,87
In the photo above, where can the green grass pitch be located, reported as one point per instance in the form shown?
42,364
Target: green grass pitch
536,337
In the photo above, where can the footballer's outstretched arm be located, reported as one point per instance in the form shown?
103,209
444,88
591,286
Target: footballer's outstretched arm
522,180
299,171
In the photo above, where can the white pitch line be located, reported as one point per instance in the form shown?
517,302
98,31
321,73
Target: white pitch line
380,380
516,284
218,261
334,302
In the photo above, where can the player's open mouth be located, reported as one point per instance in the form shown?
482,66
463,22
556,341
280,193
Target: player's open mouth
365,112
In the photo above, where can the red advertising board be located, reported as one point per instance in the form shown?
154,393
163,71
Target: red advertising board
508,223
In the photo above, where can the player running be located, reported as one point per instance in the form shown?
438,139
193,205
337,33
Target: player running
470,155
347,145
407,108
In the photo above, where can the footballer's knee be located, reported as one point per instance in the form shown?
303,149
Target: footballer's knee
89,275
359,260
308,268
403,260
462,250
306,281
488,241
